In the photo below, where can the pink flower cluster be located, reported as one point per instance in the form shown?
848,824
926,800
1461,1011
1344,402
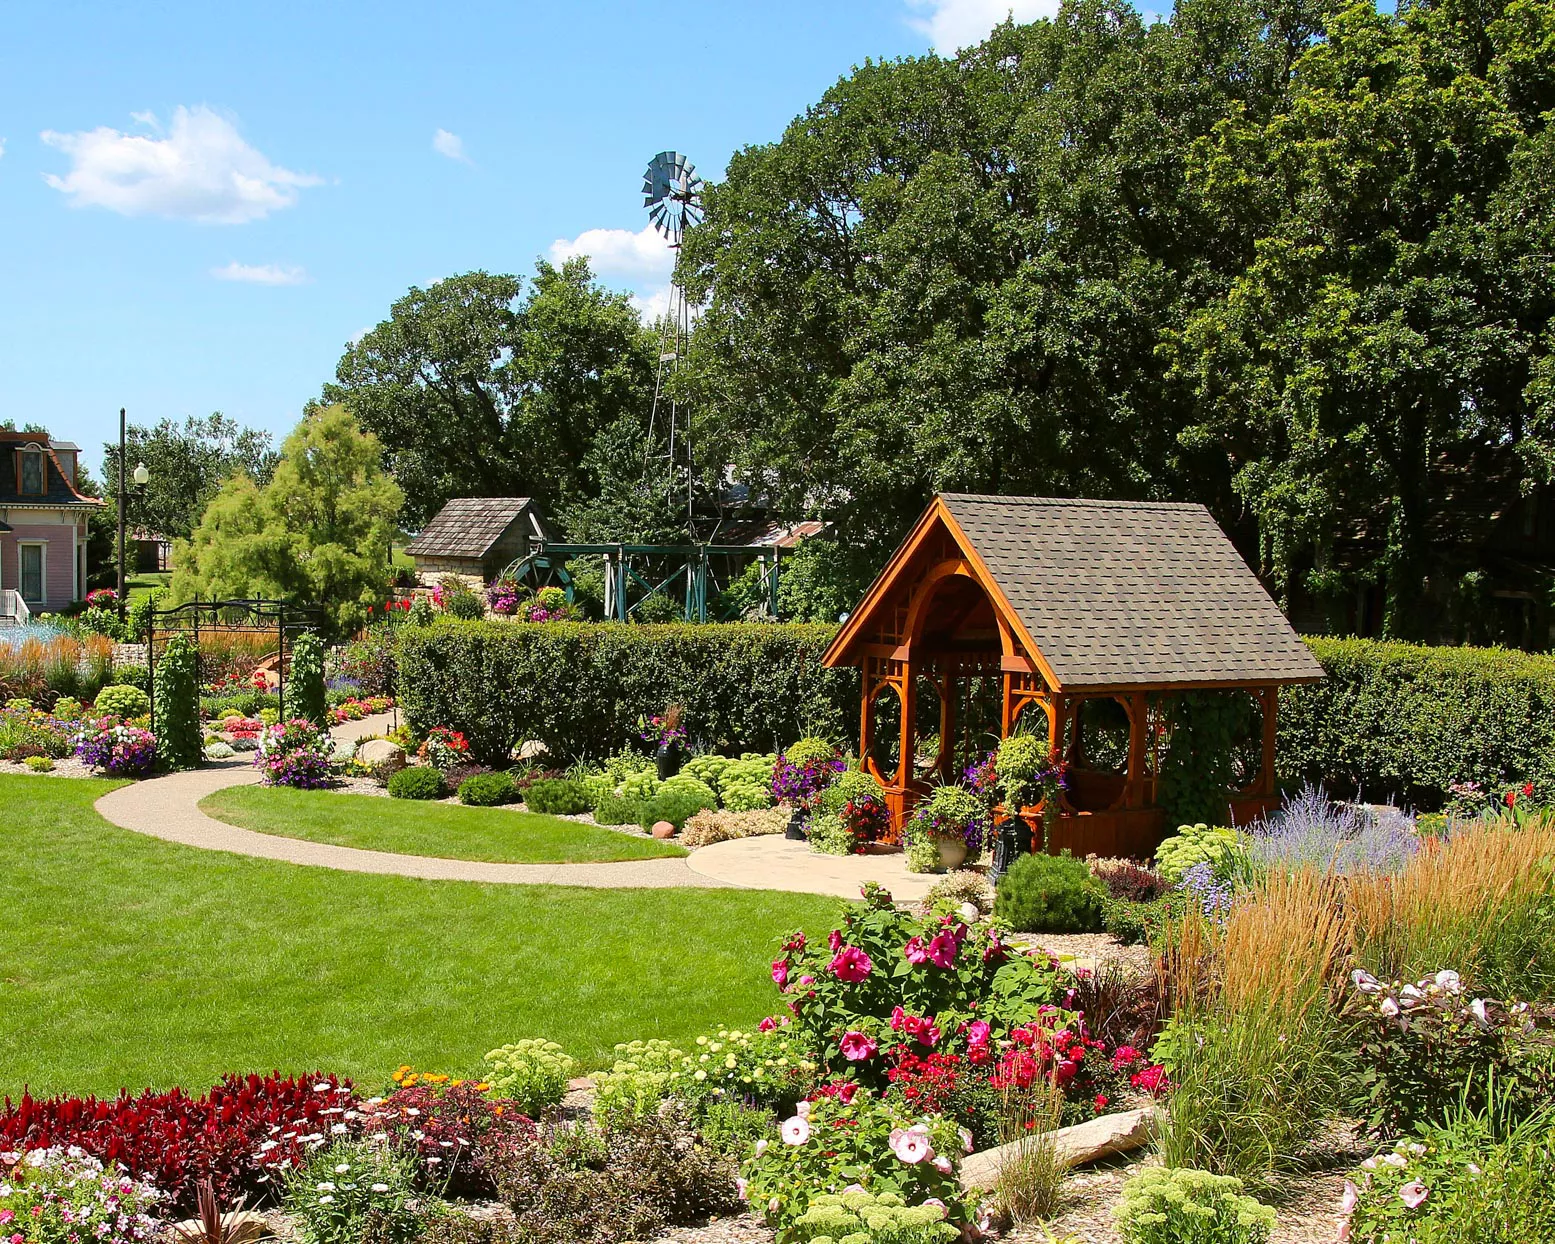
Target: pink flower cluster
920,1028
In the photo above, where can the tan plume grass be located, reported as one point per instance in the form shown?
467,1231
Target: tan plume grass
1481,902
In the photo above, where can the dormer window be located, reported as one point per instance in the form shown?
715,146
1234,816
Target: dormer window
31,476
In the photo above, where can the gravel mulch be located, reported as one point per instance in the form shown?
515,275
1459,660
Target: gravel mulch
1089,948
743,1229
70,767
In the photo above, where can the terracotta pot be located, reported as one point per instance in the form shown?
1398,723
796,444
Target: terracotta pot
952,852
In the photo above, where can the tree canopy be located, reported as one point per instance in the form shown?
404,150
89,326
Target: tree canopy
319,532
1289,259
479,387
188,462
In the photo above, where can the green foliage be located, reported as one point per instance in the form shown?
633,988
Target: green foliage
580,688
708,768
1178,1206
40,764
1050,894
417,782
822,580
746,783
613,809
864,1218
132,676
351,1192
557,796
1403,720
545,382
1221,258
1481,1182
637,1083
1018,761
1218,846
677,801
305,689
1197,772
460,600
176,720
188,465
488,790
68,708
532,1072
122,701
318,533
807,749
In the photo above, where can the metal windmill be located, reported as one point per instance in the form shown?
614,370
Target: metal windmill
672,193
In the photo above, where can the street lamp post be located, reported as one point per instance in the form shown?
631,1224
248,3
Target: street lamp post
141,476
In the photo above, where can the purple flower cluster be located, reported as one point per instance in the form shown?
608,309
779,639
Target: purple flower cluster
502,596
116,749
1212,893
799,784
1310,829
982,776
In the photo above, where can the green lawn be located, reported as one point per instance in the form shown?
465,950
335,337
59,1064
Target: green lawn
126,960
411,827
138,585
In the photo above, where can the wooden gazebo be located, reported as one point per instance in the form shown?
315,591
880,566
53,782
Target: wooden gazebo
1073,619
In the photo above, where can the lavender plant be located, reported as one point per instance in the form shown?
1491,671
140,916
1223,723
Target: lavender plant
1311,829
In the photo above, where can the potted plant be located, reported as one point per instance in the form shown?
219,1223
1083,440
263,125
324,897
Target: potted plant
666,736
801,773
947,828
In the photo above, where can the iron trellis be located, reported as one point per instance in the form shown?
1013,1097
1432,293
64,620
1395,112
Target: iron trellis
258,617
692,563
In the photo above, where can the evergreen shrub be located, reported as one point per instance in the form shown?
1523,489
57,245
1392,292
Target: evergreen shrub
1050,894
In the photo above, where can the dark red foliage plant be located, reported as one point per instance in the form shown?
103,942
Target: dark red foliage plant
239,1135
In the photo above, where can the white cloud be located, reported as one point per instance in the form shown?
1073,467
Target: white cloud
2,148
201,171
639,259
260,274
954,24
450,145
653,305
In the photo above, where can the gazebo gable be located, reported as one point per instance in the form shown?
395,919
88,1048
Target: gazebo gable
937,595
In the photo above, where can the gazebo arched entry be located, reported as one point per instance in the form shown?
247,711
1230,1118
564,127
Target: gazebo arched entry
1136,603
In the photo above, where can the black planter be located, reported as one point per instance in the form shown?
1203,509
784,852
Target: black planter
1011,840
668,760
795,831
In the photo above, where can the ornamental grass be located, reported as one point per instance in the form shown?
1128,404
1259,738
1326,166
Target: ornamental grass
56,662
1482,902
1257,1045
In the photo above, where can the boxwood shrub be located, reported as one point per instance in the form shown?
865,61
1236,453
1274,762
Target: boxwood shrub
1403,721
488,790
417,782
677,801
557,796
580,687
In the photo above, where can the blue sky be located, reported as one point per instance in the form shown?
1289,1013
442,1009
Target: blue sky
201,204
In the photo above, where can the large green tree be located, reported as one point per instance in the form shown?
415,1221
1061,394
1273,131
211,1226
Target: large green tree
1285,259
188,462
318,533
1375,369
477,386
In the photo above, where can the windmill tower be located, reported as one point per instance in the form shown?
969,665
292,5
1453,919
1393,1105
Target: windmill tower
672,193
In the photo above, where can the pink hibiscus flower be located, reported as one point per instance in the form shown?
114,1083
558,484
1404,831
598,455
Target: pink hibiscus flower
850,964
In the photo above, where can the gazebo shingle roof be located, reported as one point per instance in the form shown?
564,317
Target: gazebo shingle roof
1128,593
467,526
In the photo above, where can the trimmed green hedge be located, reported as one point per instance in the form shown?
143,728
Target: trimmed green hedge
1401,720
1391,719
580,687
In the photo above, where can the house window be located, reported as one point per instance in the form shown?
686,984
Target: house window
32,568
31,484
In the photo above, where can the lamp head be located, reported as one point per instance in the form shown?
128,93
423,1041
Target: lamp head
142,475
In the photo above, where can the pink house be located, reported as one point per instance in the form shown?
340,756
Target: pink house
43,523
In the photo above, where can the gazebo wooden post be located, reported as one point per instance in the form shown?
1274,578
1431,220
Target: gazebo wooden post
908,697
1134,782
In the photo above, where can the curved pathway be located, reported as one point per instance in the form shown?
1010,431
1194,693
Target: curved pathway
168,808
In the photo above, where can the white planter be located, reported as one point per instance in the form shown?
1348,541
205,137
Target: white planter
952,854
